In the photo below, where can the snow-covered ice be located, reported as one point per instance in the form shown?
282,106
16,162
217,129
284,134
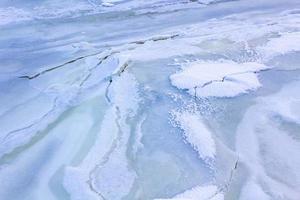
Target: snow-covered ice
218,78
150,100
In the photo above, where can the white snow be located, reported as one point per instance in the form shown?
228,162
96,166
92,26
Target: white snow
120,147
197,134
287,42
223,78
107,4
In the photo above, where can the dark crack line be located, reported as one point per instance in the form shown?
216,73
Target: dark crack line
9,134
215,2
229,78
195,93
117,141
107,91
140,42
227,184
97,65
156,39
123,68
233,170
106,157
118,73
56,67
95,191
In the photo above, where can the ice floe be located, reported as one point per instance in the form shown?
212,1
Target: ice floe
222,78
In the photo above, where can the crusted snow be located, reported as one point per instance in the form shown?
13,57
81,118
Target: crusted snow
197,134
223,78
55,145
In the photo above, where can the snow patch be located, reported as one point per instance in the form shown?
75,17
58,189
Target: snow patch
223,78
197,134
286,43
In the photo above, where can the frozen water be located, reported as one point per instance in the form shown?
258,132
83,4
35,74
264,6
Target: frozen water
148,100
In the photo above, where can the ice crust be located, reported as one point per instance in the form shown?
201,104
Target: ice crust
222,78
197,134
124,99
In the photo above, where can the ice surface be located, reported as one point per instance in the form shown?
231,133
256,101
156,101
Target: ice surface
149,99
264,147
200,193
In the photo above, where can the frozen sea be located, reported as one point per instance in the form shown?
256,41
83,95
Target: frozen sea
150,100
